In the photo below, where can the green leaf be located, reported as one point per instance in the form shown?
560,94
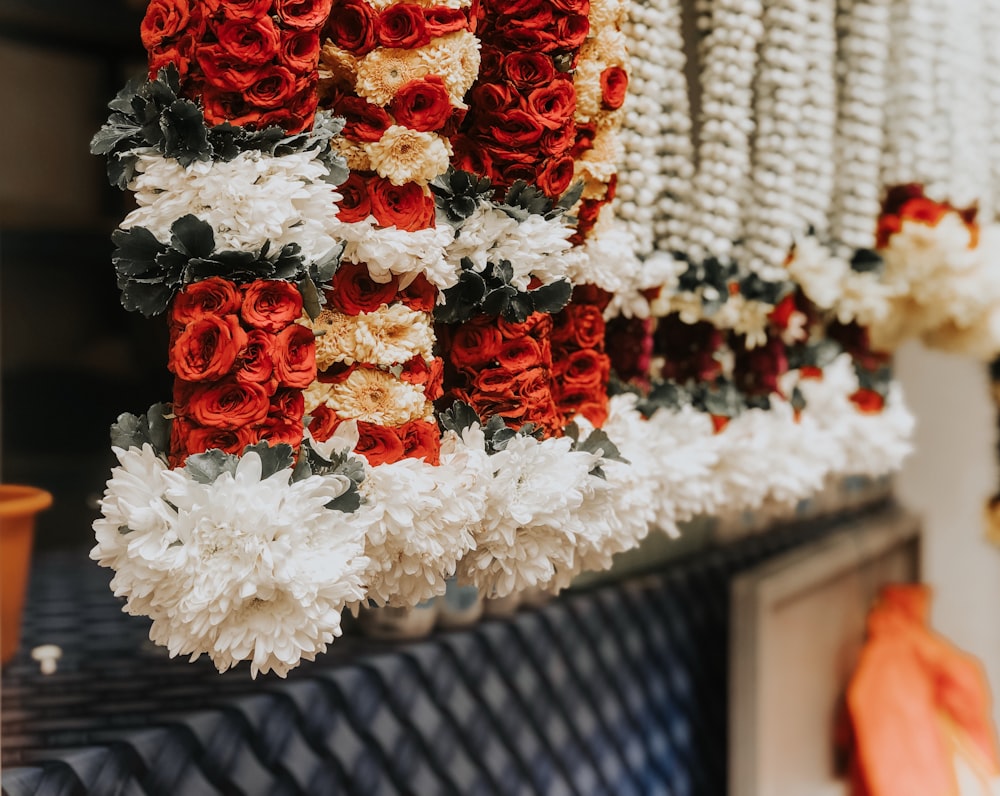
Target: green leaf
192,236
205,468
571,196
599,443
137,244
273,458
553,297
130,431
348,502
458,417
159,422
495,302
518,307
312,302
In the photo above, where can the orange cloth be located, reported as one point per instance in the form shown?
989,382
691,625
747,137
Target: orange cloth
916,703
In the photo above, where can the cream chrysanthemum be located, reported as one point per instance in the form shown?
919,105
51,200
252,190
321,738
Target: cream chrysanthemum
371,395
455,59
337,65
384,71
353,153
390,335
403,155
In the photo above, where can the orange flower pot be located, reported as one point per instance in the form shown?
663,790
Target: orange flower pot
18,507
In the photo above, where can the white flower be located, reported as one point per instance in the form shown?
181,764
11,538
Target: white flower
253,568
249,201
390,335
390,251
403,155
371,395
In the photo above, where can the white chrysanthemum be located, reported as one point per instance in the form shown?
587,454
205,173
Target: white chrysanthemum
819,273
390,335
371,395
248,568
249,201
528,531
587,82
607,14
421,519
479,234
403,155
455,59
390,251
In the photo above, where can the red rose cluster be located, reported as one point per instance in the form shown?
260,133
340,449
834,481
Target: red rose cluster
354,292
406,207
580,366
504,369
241,363
520,124
910,202
250,62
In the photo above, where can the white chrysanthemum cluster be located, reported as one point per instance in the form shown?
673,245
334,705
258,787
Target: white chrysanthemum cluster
390,251
373,396
945,287
244,568
388,336
250,200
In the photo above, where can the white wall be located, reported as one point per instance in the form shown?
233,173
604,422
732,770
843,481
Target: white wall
947,480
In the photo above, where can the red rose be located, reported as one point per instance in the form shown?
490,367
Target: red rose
351,27
402,26
441,20
470,156
271,304
557,175
528,69
279,431
553,105
531,14
474,343
255,361
516,129
520,354
534,387
164,20
867,401
287,404
273,88
365,121
212,296
572,30
300,50
531,39
422,104
303,14
614,84
494,381
595,410
419,295
378,444
353,290
295,356
403,206
224,71
356,204
179,53
295,114
323,422
223,106
588,325
207,348
490,64
227,404
559,141
237,9
492,98
587,369
507,406
420,440
538,325
415,371
254,42
572,6
188,439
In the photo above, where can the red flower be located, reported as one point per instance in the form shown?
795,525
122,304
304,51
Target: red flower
296,114
782,312
538,325
614,85
557,175
441,20
419,295
300,50
353,290
207,348
295,356
587,324
553,105
212,296
530,14
365,121
255,362
494,381
254,42
302,14
287,403
403,206
378,444
274,87
520,354
337,372
528,69
226,404
559,141
420,440
402,26
572,6
351,27
867,401
586,369
225,71
323,422
474,343
187,439
356,204
532,39
422,104
164,20
719,423
534,387
271,304
572,30
516,129
237,9
282,431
